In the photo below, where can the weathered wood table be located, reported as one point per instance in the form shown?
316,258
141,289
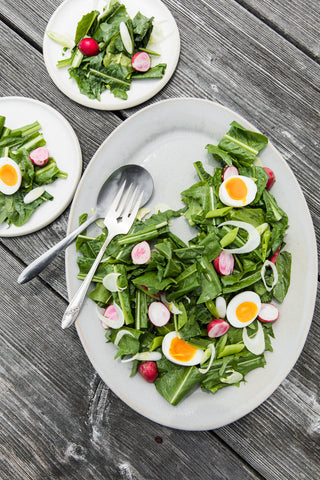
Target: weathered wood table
58,419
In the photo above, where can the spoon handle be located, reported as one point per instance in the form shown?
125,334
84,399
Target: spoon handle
43,261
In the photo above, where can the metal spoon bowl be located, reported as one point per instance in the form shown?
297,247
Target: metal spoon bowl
129,173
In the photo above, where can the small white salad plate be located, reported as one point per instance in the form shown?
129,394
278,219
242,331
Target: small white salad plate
165,41
167,138
63,146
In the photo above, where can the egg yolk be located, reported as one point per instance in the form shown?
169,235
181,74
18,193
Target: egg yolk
236,188
8,175
181,350
246,311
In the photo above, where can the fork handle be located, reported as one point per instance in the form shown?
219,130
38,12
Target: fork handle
72,311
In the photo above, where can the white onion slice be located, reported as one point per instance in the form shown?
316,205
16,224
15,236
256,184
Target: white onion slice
144,356
253,237
266,264
256,344
125,37
234,377
221,306
33,195
212,356
110,282
121,334
170,305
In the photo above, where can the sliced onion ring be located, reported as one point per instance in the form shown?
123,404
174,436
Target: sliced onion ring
266,264
256,344
121,334
144,356
253,237
211,347
110,282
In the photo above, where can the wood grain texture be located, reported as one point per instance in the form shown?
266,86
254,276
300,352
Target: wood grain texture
58,419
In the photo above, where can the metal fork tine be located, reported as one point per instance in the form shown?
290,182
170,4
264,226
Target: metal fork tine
137,206
123,202
130,203
115,202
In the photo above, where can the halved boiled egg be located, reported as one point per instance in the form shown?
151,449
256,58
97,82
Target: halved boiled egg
243,309
237,191
179,351
10,176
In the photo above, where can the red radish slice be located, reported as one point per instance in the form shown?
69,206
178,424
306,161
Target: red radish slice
268,313
217,327
89,47
271,179
114,316
141,253
148,371
224,263
39,156
274,257
230,172
159,314
141,62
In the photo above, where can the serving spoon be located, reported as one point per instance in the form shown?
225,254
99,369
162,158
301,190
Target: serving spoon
127,173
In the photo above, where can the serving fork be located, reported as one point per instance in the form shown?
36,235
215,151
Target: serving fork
118,220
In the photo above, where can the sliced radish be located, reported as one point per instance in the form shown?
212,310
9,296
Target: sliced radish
221,306
141,253
217,327
224,263
159,314
141,62
39,156
266,264
268,313
148,371
112,317
274,257
126,37
256,344
230,172
253,240
89,47
271,179
33,195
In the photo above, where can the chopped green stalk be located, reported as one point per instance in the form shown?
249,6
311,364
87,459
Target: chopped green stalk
5,132
141,312
2,120
76,59
151,52
147,233
33,142
108,77
26,130
64,63
229,237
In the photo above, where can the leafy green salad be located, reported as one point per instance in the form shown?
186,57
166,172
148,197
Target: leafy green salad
25,167
109,51
198,313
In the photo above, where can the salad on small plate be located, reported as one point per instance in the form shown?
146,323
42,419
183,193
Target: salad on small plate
118,54
38,173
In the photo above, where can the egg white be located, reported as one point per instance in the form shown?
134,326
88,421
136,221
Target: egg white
166,351
247,296
7,189
231,202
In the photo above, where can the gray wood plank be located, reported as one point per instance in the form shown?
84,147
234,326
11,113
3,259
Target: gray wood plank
242,62
296,20
59,420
